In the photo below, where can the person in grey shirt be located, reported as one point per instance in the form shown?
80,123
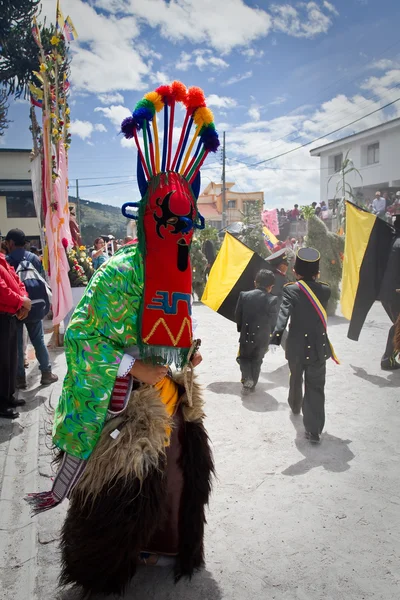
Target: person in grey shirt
379,205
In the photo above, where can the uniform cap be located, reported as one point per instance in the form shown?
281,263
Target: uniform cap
277,258
307,262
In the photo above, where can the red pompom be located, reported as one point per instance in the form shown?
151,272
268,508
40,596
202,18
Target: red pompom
165,92
179,91
195,98
64,242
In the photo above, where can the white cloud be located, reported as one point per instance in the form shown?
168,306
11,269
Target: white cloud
111,98
331,8
308,20
82,129
105,57
202,59
295,177
383,64
115,113
252,53
278,100
222,25
254,113
221,101
237,78
159,78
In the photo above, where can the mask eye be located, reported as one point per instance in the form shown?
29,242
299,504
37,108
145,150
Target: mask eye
172,221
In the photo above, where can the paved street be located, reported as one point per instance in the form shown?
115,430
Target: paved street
287,521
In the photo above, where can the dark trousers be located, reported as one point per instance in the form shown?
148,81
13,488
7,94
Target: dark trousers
250,362
8,356
313,399
393,313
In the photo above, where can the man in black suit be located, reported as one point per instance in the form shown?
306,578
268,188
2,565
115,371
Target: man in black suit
307,346
390,298
279,262
255,318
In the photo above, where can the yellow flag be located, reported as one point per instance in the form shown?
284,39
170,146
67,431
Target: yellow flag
59,18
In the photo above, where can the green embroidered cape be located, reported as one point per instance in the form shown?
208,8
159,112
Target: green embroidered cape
103,325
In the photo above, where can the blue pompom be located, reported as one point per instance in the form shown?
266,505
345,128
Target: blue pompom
142,114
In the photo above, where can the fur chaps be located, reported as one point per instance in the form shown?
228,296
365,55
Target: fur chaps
119,507
397,335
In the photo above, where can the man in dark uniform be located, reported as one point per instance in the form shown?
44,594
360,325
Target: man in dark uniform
307,346
255,318
279,262
391,299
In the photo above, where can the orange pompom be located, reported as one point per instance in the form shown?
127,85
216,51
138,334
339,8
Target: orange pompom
179,91
195,98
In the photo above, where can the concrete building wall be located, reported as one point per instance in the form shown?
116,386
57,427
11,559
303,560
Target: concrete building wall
15,178
382,175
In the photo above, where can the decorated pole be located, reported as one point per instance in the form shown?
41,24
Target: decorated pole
51,144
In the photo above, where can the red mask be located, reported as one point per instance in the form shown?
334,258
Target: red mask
168,223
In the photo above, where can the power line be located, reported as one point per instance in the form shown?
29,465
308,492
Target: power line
318,138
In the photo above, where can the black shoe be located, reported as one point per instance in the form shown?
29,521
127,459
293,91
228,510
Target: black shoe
313,437
14,402
295,412
389,364
48,378
6,412
248,384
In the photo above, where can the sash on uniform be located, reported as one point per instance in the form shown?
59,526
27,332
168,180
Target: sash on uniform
319,309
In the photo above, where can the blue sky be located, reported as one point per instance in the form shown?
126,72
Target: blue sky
276,74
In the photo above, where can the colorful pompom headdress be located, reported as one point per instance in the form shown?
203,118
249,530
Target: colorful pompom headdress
169,182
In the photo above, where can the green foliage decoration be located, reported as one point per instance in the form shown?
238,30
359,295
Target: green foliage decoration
331,247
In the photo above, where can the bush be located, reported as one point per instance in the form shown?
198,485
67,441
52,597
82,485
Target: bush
331,247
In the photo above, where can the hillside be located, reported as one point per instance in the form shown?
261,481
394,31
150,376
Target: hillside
99,219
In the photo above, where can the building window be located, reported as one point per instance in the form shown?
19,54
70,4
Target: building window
337,162
231,203
373,154
20,206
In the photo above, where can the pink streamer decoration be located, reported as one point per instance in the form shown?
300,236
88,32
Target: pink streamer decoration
270,220
57,228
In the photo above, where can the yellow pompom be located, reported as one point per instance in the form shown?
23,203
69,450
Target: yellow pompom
203,116
43,68
54,40
156,99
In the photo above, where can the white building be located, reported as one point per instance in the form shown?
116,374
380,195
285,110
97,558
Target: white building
17,208
375,152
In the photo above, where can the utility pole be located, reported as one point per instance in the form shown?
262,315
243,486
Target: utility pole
78,206
223,186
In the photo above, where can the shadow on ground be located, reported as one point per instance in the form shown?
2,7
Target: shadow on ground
392,380
333,453
257,401
152,583
8,430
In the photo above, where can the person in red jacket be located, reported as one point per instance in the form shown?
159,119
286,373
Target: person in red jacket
14,304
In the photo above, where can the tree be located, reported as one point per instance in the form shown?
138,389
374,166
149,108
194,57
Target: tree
199,265
253,229
3,112
343,189
331,248
18,50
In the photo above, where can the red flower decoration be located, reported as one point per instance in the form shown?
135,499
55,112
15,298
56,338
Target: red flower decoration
64,242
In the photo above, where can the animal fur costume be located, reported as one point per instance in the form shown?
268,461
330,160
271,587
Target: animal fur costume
136,465
125,485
